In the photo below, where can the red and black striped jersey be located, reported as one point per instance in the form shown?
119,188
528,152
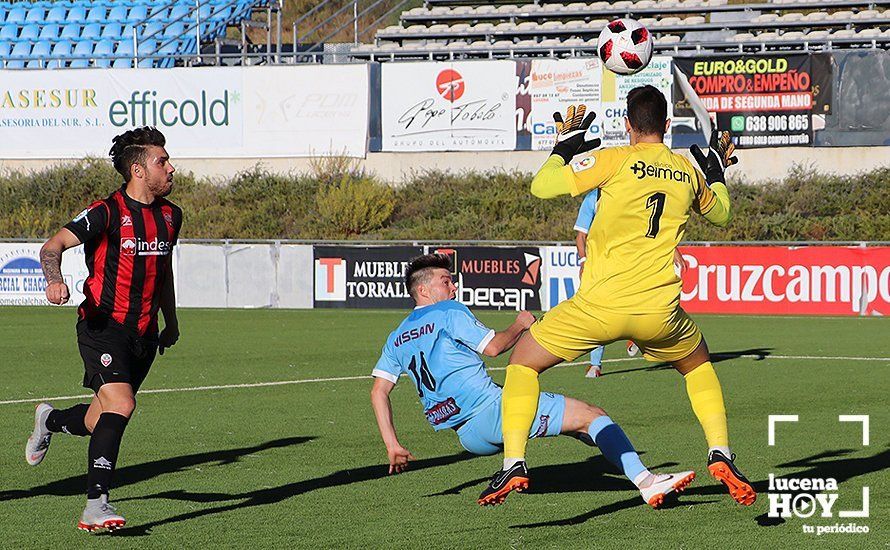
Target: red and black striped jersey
128,247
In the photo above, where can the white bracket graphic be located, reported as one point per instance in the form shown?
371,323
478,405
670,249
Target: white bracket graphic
857,513
863,418
771,429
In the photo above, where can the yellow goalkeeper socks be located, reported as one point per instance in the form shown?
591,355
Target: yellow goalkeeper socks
519,404
706,398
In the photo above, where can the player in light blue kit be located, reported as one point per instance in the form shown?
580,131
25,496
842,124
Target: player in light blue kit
582,226
438,346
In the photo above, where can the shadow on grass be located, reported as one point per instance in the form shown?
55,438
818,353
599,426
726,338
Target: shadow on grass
129,475
758,354
593,474
273,495
841,469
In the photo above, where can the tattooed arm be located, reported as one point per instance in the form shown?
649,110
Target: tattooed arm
51,262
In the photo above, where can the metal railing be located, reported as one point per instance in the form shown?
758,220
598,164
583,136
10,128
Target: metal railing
355,19
330,19
704,49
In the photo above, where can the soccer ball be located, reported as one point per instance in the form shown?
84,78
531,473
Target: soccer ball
625,46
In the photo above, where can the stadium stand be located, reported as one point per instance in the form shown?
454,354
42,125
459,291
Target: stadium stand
119,34
461,28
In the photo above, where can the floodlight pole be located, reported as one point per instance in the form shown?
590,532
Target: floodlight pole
135,48
198,28
295,42
269,34
278,31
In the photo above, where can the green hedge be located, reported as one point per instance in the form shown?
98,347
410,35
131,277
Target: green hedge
334,200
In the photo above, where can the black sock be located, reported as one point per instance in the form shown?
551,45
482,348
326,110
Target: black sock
104,446
70,420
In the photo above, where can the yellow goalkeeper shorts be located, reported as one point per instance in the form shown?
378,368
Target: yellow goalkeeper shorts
575,327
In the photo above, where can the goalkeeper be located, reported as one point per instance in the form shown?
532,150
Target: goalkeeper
629,289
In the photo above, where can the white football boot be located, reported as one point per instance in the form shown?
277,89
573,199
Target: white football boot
98,514
594,371
665,484
632,348
40,438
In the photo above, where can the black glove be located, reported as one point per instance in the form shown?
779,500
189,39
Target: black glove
570,138
719,157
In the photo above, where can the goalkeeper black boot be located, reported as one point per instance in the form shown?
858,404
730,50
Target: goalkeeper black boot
514,478
723,469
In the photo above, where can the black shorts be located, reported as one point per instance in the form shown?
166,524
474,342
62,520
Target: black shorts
113,353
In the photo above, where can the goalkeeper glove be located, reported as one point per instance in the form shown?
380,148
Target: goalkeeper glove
719,157
571,133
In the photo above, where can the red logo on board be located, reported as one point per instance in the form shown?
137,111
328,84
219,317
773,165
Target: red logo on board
450,84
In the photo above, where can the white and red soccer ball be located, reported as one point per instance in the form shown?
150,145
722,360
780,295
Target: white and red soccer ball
625,46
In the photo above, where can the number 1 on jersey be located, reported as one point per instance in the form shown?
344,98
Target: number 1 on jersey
424,377
656,203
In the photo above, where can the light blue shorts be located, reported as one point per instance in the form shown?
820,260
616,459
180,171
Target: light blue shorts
481,435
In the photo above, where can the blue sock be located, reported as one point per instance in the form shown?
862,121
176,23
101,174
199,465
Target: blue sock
616,447
596,356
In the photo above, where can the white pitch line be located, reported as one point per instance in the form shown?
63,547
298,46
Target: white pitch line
366,377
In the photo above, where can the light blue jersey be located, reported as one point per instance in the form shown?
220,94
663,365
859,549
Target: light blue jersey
585,218
438,347
587,211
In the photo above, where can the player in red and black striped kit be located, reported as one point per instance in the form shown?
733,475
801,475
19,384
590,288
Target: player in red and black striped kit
128,241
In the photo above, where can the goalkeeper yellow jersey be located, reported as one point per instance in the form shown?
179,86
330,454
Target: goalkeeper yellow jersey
646,193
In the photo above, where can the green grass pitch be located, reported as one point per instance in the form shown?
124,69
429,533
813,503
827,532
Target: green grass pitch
302,465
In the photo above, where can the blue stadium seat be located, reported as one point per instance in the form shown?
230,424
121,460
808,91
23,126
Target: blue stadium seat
122,62
70,31
159,12
9,31
180,10
36,14
103,48
147,49
174,29
170,47
61,50
56,14
91,31
153,29
16,15
75,28
118,14
50,32
77,14
137,14
205,10
96,14
30,32
112,31
124,49
84,48
19,51
221,13
40,55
